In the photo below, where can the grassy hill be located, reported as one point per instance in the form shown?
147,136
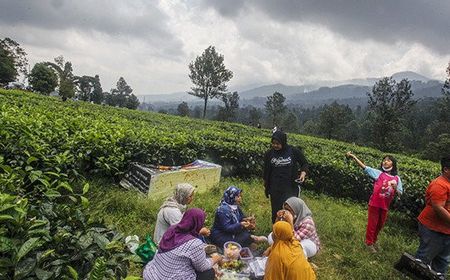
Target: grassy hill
51,148
340,224
103,140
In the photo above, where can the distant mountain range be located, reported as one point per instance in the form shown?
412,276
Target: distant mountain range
353,92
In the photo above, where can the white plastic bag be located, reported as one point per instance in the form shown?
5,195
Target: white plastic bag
258,266
132,242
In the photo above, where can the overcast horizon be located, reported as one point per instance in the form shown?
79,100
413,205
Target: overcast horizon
151,43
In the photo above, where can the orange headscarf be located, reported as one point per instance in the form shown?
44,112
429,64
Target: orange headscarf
286,260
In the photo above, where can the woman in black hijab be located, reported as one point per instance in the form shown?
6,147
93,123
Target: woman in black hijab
283,164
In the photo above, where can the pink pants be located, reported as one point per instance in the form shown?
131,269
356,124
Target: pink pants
375,222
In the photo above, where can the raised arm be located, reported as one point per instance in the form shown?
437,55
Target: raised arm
359,162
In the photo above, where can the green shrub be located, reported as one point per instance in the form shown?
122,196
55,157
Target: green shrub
103,140
45,232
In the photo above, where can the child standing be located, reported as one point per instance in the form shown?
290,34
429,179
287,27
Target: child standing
386,184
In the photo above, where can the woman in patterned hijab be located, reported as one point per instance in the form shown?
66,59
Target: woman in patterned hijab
230,195
230,223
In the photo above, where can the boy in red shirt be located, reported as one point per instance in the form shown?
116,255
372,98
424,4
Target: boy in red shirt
434,222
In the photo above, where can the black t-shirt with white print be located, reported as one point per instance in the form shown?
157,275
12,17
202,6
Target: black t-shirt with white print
281,168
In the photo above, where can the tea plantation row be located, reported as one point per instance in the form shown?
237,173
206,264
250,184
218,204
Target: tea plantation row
104,140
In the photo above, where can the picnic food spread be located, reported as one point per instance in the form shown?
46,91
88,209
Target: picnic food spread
231,251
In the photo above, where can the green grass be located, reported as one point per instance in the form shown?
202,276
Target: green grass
102,141
340,224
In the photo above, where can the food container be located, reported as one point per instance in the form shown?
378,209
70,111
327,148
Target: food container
246,254
231,250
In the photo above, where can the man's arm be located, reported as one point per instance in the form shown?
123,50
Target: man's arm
437,198
441,212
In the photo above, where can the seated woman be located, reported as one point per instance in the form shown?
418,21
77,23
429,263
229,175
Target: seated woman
172,209
304,227
229,223
181,253
286,260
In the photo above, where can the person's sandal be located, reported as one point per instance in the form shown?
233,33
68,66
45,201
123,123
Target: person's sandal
371,249
377,247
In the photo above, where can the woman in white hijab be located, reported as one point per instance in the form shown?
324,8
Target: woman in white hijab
304,227
171,211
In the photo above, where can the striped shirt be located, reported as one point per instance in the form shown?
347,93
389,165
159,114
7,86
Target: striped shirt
178,263
307,230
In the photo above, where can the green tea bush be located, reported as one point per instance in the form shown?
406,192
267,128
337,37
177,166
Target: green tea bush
103,140
45,231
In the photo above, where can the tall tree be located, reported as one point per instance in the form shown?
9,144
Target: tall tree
43,79
122,96
444,105
209,76
436,134
197,112
11,52
310,127
254,115
333,120
121,93
275,107
440,146
13,60
231,105
85,87
290,122
132,102
65,76
8,72
388,102
97,93
183,109
109,99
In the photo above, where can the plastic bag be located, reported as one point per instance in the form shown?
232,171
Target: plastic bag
147,250
132,243
258,266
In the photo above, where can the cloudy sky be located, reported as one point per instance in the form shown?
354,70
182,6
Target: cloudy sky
150,43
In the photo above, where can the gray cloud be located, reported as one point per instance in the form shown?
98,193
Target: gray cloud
131,19
151,42
425,22
226,8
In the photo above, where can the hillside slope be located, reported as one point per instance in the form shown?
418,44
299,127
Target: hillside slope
104,140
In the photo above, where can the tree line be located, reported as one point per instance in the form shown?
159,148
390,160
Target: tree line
57,76
392,120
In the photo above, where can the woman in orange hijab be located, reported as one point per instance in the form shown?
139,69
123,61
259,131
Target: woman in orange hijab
286,259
